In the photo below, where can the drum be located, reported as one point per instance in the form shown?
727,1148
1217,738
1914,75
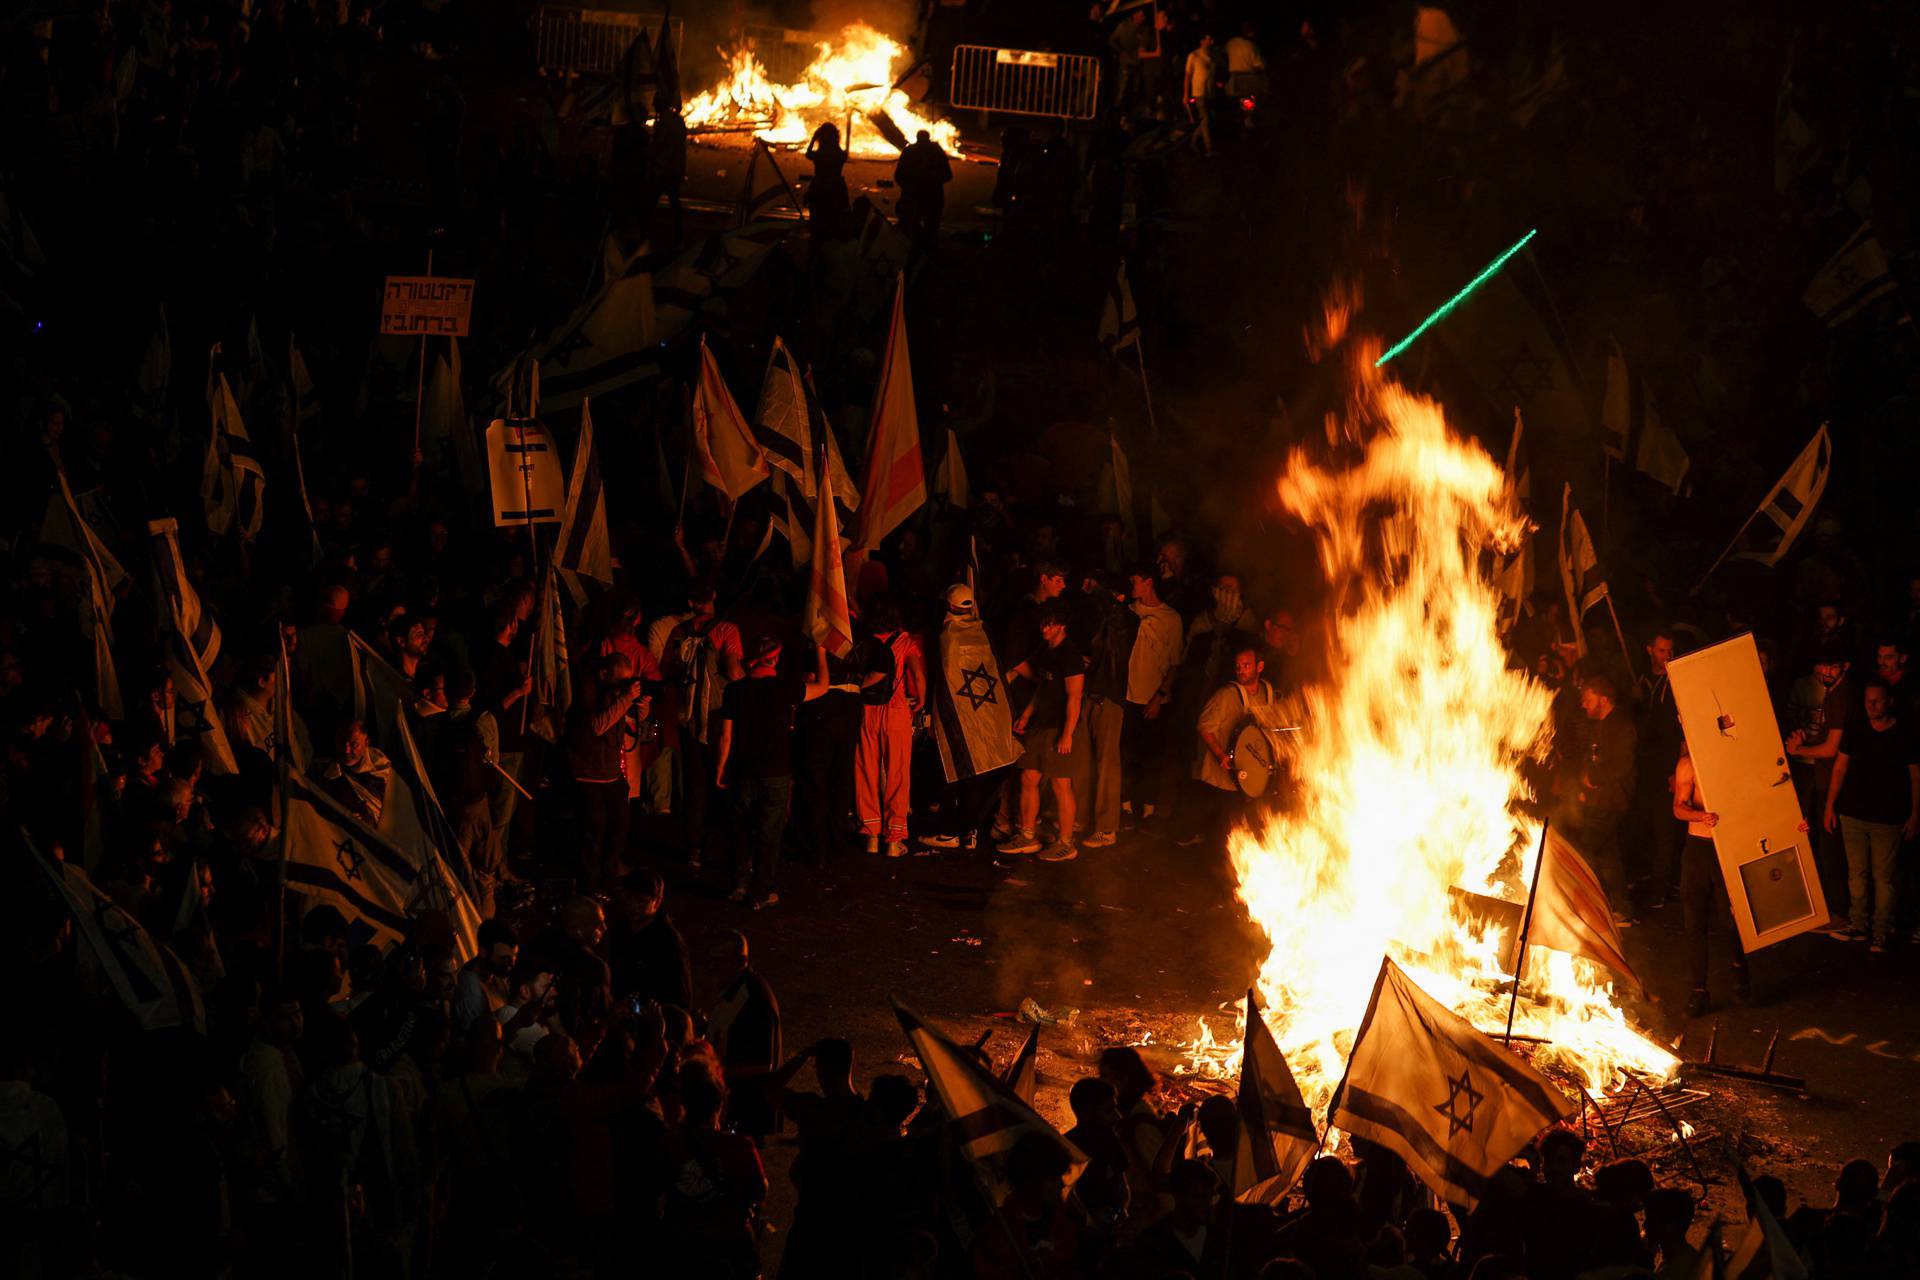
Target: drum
1255,758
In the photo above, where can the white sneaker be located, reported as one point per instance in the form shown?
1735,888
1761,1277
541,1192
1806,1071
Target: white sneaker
896,848
940,842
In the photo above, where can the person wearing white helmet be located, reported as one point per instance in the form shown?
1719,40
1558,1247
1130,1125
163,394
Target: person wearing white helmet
972,723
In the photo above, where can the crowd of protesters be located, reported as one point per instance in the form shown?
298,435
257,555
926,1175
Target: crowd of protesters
573,1089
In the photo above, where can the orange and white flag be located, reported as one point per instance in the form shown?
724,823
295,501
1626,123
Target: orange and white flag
894,484
828,619
1571,912
731,460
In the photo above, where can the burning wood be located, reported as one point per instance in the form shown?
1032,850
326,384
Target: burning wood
851,82
1411,788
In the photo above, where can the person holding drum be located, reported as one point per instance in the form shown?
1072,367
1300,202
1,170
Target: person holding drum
1246,697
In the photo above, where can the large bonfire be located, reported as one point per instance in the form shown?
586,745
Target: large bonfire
851,80
1409,770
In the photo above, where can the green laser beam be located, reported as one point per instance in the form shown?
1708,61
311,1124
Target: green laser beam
1456,299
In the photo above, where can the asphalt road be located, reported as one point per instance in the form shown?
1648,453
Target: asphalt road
1145,937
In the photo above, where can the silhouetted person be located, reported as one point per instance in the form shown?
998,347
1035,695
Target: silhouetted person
827,202
922,174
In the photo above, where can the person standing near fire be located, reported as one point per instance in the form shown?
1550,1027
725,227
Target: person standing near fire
1233,702
922,174
1601,790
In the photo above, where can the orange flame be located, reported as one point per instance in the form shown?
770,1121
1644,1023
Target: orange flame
1409,766
852,76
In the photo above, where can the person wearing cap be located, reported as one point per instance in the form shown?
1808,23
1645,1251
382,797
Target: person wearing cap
1054,735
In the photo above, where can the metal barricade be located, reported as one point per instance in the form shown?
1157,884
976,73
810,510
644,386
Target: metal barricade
570,41
1065,86
785,53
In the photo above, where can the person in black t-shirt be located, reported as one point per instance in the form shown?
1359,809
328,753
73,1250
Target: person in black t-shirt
1874,800
753,760
1050,726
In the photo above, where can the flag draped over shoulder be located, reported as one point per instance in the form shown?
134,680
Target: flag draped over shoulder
232,484
731,460
116,954
1422,1082
582,549
828,619
894,484
1580,573
1571,912
1790,505
71,543
333,856
1631,430
989,1118
1277,1137
972,723
1857,276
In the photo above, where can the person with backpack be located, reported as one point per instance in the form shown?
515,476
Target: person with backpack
892,689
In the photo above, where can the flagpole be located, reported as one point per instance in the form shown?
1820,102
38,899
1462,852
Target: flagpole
420,388
1526,928
1739,534
1626,655
1140,358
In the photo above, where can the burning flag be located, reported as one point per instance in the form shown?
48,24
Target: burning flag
1571,912
1277,1137
1423,1083
1421,706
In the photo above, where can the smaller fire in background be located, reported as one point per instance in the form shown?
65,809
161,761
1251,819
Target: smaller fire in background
852,76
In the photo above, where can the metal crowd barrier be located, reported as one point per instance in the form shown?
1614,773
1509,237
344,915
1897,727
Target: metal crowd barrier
592,41
1065,86
786,54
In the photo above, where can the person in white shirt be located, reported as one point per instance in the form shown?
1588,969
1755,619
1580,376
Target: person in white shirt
1197,86
1151,668
1246,65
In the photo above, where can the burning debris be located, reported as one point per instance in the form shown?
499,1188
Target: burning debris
1410,776
852,82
